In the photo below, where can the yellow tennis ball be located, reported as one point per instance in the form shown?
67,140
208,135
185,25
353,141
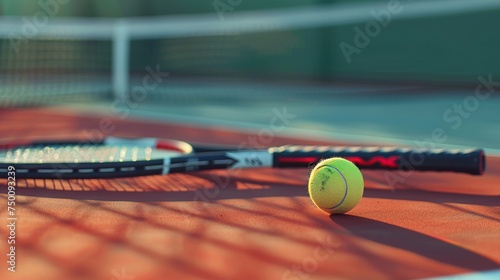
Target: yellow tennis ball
336,185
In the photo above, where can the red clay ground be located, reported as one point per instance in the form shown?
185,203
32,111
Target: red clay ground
260,225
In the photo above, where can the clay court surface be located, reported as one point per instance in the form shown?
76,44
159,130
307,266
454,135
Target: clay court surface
248,224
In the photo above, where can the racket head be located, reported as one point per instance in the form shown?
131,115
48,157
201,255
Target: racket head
111,157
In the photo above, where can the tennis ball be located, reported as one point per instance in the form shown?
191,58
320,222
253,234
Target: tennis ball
336,185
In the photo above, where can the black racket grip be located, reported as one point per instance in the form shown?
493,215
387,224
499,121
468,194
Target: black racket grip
470,161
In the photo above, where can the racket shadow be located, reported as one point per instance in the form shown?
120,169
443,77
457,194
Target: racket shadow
411,241
203,186
207,187
158,196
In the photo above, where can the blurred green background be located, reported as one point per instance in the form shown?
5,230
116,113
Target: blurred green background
450,49
235,79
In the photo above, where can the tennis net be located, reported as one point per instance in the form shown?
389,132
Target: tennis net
78,59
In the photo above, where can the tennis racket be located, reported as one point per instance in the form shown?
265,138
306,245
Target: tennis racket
118,157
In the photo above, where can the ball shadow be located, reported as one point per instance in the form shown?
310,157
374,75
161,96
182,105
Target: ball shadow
411,241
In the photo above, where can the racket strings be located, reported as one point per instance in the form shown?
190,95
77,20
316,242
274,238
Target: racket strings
77,154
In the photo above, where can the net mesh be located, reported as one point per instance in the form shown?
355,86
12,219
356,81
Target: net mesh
52,69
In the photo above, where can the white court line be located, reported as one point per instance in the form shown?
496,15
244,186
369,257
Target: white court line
481,275
292,132
289,132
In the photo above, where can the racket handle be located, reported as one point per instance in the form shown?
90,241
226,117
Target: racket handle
471,161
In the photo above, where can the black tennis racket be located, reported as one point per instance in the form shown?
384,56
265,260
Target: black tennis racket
118,157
